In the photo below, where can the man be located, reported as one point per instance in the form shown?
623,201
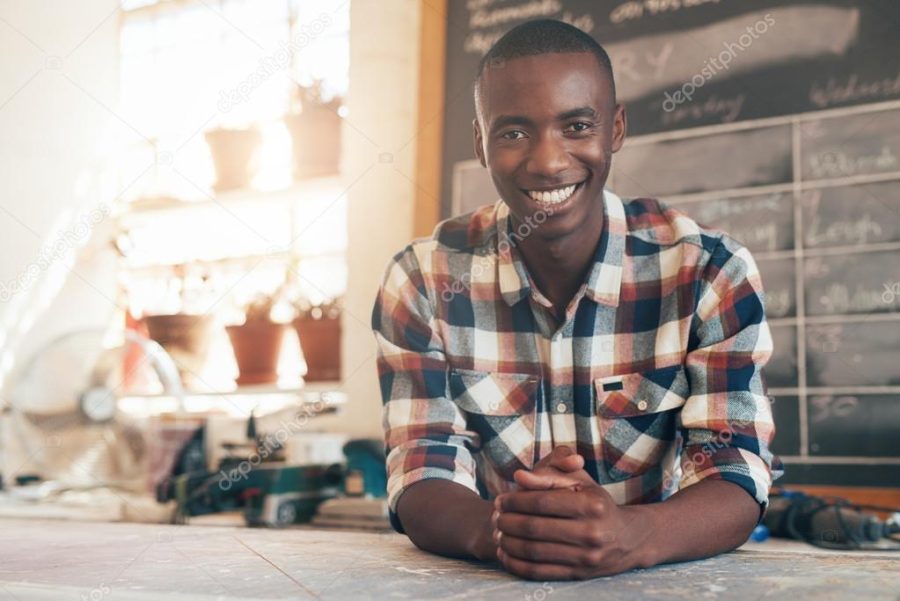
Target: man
571,382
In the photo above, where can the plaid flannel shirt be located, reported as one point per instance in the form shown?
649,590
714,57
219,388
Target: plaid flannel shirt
654,377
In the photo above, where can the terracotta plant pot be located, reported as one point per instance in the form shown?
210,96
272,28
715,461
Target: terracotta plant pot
316,138
320,340
257,345
235,156
185,338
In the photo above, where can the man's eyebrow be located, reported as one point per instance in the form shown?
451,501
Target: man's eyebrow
505,120
583,111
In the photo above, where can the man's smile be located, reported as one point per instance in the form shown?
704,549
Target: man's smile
556,198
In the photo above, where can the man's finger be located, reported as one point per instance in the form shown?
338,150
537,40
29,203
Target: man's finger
542,552
552,503
537,571
549,529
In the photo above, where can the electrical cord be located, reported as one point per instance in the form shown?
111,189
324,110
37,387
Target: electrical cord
831,522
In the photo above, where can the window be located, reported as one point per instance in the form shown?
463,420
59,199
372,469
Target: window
191,67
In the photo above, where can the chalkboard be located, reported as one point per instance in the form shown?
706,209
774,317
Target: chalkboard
753,157
780,293
853,283
735,60
851,215
862,144
798,158
856,425
782,370
761,223
786,412
855,354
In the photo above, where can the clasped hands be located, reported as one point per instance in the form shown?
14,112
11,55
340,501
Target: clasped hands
561,525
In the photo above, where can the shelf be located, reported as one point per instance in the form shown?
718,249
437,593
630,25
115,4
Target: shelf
321,397
232,199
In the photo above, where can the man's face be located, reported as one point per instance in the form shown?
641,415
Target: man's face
548,127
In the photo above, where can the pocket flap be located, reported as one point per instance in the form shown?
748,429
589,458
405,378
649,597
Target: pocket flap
641,393
490,393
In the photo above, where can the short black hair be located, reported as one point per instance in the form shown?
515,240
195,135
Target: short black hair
543,36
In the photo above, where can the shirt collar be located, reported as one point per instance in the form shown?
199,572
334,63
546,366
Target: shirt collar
605,278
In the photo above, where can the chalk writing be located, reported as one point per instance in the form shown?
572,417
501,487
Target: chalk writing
726,110
852,90
839,163
628,11
856,231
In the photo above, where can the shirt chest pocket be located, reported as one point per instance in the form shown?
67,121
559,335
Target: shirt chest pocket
636,416
500,412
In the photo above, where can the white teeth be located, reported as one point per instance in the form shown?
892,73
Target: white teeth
552,196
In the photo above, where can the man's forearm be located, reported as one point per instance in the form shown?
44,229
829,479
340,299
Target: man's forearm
710,517
447,518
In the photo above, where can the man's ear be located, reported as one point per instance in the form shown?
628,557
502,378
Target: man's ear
620,127
479,148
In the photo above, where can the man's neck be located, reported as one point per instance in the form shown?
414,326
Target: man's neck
560,266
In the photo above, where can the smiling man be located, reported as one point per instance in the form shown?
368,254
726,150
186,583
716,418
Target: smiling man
571,382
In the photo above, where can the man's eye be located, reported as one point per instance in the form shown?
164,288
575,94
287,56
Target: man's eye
515,134
579,126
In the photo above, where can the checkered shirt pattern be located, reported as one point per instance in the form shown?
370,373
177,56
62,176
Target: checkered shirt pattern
654,377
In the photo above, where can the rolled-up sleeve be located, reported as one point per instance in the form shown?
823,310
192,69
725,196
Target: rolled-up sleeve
726,423
424,430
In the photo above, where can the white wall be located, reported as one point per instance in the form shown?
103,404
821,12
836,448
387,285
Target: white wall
58,92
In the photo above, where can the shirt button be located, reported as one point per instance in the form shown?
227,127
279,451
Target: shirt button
642,404
561,408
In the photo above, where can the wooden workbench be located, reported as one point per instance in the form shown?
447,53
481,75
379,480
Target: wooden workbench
43,559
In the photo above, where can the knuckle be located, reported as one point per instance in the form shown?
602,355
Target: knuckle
596,508
594,536
593,558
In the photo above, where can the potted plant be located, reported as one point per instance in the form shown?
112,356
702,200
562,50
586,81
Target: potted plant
185,337
184,334
318,327
257,342
235,154
315,128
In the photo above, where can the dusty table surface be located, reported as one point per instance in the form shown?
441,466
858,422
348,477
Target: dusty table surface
45,559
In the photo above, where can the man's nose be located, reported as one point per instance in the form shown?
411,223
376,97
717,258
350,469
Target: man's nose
548,157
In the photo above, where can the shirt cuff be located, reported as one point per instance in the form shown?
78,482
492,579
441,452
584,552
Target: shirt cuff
752,474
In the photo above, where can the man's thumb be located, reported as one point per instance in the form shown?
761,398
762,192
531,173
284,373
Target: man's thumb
545,480
563,458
